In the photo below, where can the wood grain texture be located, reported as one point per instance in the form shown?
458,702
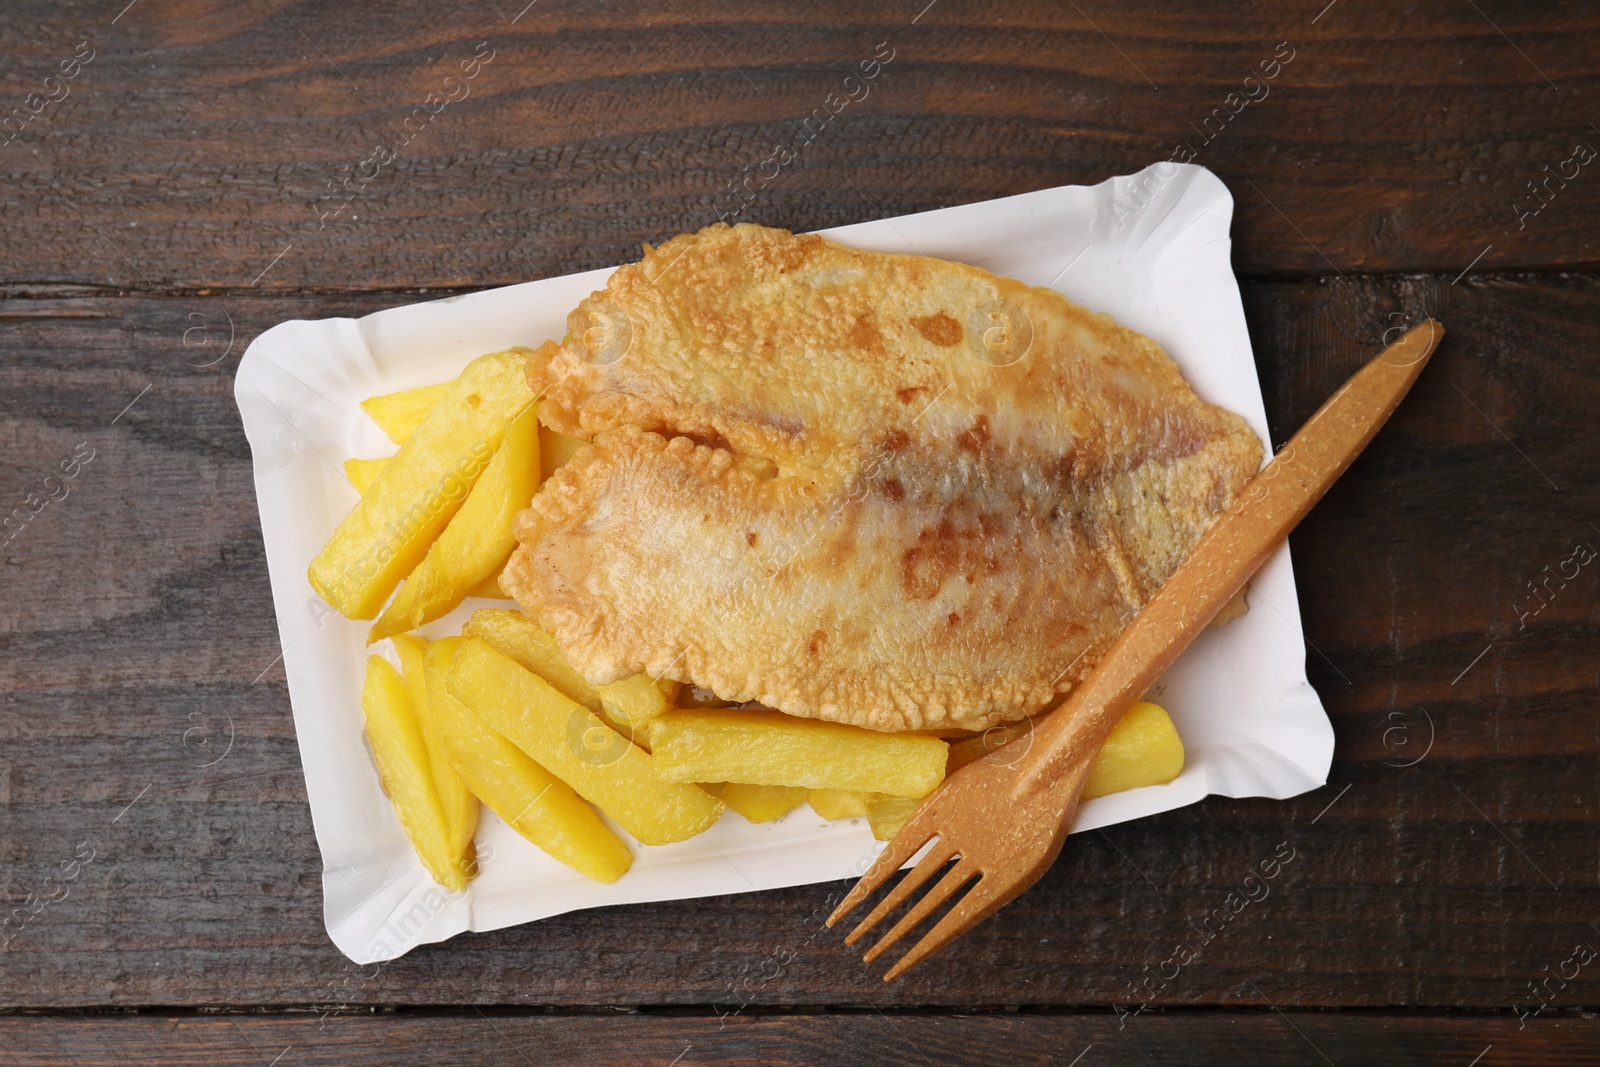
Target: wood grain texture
205,145
869,1040
146,718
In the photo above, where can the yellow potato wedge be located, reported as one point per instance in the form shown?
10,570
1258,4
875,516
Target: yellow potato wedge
1144,749
887,814
633,702
459,805
762,803
571,742
769,748
555,449
361,473
399,414
389,530
836,804
478,541
534,802
511,633
404,768
490,587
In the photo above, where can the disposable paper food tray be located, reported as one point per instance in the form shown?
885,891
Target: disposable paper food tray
1152,249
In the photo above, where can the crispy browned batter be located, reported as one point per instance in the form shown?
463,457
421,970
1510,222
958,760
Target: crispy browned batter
879,489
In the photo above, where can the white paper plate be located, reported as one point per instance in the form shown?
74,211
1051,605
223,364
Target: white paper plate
1152,249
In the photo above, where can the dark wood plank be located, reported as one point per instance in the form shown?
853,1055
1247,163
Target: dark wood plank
137,638
869,1039
201,144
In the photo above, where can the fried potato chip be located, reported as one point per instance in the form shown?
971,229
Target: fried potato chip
388,532
459,805
404,768
769,748
762,803
399,414
476,544
361,473
571,742
536,804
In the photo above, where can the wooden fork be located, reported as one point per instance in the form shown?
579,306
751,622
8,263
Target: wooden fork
1002,820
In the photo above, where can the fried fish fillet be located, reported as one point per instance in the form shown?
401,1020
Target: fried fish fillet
878,489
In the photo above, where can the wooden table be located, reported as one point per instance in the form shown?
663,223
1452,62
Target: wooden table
200,176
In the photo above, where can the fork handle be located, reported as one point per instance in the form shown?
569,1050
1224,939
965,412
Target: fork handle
1235,546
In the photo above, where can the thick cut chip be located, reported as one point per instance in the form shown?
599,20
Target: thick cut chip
489,587
836,804
460,807
630,703
878,489
634,701
399,414
389,530
536,804
763,803
474,547
886,815
1144,749
404,768
510,633
361,473
571,742
768,748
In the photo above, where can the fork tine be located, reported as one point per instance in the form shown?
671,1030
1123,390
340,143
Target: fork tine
981,901
891,859
936,858
939,894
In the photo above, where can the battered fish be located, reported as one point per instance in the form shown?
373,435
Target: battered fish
879,489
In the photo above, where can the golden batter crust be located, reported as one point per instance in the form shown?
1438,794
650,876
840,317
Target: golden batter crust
871,488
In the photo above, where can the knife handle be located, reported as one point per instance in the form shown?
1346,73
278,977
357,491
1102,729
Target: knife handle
1236,545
